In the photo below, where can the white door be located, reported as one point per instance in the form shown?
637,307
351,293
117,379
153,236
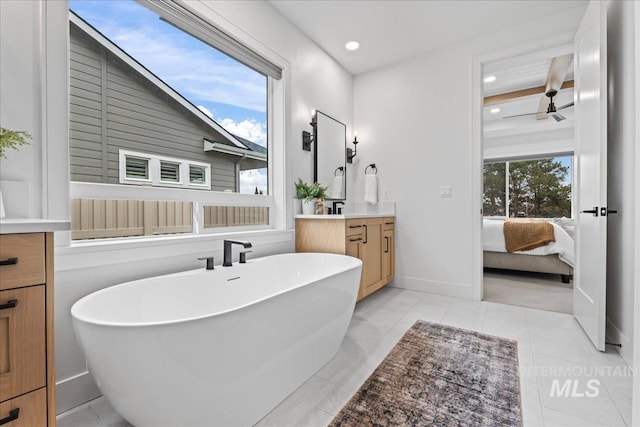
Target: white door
590,69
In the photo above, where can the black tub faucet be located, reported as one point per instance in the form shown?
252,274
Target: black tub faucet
228,255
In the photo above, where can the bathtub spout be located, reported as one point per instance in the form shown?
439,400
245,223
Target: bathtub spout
228,255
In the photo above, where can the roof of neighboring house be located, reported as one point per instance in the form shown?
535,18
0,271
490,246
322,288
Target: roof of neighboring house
231,139
252,145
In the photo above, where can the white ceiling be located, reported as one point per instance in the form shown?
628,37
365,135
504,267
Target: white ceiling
522,72
391,31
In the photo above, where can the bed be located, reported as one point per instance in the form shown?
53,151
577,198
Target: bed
555,258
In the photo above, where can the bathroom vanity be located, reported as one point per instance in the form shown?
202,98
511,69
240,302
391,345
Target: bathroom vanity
367,237
27,369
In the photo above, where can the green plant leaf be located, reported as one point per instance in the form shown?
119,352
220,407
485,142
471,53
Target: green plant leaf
12,139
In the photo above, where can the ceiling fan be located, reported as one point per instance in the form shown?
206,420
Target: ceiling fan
556,76
552,110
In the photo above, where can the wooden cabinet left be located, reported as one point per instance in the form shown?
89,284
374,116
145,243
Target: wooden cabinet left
27,369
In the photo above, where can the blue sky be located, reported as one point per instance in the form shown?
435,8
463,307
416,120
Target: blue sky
233,94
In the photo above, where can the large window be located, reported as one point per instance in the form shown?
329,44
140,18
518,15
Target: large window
154,104
531,188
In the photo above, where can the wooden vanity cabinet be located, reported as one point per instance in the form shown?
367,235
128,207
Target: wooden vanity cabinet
27,376
369,239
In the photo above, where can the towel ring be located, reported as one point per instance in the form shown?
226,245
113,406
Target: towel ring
372,166
341,169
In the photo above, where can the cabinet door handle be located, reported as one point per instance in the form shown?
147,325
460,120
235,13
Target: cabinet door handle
386,241
13,415
10,261
366,235
356,239
9,304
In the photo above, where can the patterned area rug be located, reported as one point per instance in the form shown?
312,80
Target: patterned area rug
438,375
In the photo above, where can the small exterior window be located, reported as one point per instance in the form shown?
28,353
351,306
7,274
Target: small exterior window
197,175
169,172
150,169
137,168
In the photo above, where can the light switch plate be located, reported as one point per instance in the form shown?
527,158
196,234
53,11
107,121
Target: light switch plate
446,191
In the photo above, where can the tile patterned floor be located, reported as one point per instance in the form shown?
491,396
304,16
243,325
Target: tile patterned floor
564,380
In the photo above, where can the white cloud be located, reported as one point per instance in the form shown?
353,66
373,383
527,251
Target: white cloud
249,129
206,111
198,74
250,179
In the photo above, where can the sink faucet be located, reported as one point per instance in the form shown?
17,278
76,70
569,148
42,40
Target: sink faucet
228,255
335,207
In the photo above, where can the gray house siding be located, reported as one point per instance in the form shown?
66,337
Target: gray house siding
113,107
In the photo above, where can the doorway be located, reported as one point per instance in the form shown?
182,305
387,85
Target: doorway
527,164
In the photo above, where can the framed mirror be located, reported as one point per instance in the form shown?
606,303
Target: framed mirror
330,156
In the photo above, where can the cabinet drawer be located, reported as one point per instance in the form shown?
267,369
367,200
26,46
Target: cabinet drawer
353,227
22,341
29,410
388,223
22,260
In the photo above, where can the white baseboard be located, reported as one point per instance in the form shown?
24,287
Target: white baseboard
74,391
614,335
456,290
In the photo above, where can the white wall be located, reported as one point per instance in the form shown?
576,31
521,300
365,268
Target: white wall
414,121
543,140
314,80
621,191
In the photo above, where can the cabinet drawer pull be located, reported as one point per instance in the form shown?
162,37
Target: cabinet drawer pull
13,415
388,223
10,261
355,226
9,304
356,239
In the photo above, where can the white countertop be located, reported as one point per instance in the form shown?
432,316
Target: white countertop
32,225
345,216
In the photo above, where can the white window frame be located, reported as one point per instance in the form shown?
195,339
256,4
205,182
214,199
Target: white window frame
155,179
506,162
56,163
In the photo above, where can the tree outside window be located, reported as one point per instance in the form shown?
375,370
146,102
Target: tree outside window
536,188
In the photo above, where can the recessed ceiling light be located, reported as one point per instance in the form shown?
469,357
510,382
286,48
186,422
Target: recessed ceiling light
494,110
490,79
352,45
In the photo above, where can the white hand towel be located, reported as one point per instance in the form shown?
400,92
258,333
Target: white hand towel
371,188
335,191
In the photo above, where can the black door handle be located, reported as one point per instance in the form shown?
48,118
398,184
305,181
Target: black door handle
593,211
10,261
13,415
9,304
605,211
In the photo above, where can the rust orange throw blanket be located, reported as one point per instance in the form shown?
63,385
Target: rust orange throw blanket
523,235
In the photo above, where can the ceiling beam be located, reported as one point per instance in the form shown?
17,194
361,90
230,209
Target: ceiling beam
496,99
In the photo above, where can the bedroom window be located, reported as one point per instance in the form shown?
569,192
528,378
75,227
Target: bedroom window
529,188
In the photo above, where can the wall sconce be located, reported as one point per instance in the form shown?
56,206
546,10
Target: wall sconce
308,138
351,153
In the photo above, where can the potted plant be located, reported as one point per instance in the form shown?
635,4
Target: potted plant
11,139
309,194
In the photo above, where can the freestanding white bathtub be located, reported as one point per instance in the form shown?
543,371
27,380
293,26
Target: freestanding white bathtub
216,347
